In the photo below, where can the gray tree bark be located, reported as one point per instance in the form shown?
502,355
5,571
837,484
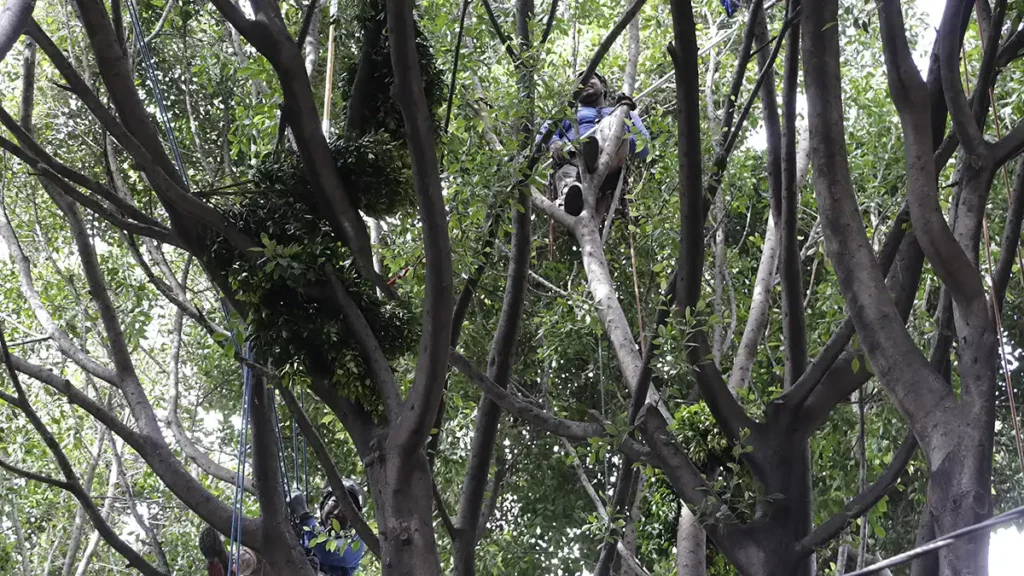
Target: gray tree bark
105,512
691,544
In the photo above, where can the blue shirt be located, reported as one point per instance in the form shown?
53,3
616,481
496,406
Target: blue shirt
587,117
343,560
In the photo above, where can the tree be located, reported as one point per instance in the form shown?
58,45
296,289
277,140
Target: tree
252,188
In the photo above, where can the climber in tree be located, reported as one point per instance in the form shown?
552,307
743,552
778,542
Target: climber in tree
333,547
566,147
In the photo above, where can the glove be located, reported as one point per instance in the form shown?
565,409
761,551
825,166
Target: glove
625,100
559,152
297,505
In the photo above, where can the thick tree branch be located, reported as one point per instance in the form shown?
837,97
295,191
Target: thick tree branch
359,112
80,399
499,32
27,474
609,40
1011,237
49,177
376,362
836,344
280,549
425,396
25,138
471,514
945,251
795,325
908,92
550,22
1011,145
270,37
916,388
757,319
499,371
739,74
690,261
949,63
14,16
182,207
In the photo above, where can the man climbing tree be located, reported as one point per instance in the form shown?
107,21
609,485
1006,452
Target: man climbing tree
580,141
331,545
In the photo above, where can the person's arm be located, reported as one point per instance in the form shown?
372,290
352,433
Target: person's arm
638,129
310,530
549,125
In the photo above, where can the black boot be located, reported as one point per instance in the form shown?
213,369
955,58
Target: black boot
212,548
573,201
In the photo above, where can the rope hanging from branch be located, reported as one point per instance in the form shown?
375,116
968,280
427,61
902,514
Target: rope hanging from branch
150,67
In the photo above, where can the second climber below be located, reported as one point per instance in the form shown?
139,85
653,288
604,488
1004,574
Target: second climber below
569,154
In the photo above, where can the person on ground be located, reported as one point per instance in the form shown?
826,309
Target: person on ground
570,151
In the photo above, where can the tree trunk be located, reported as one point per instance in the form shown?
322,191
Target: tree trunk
403,500
959,494
691,544
278,545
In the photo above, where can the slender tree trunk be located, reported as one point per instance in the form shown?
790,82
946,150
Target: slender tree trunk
75,540
19,535
49,557
718,332
760,306
503,347
311,45
147,528
105,512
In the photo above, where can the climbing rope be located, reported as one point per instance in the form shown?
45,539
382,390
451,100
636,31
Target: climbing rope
305,454
150,68
280,445
237,509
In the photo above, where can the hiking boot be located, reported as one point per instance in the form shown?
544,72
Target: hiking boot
572,203
212,548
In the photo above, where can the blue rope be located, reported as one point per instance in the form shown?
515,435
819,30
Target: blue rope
305,454
237,511
295,454
150,67
280,445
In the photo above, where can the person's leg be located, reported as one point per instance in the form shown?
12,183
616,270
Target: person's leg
212,548
570,191
607,193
